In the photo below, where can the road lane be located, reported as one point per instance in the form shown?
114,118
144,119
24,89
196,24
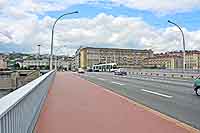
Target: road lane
157,93
162,87
184,105
101,79
162,80
117,83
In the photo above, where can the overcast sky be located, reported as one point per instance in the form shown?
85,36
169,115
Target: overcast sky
138,24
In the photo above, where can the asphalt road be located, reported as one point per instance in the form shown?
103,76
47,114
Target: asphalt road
172,97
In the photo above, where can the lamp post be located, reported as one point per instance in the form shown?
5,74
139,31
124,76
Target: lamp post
184,65
52,37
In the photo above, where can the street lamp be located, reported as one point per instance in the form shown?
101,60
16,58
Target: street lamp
184,65
52,37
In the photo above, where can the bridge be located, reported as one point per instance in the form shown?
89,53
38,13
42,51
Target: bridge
65,102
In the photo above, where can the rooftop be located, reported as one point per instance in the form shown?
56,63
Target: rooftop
144,50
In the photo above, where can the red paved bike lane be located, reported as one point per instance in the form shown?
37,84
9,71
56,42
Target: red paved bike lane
75,105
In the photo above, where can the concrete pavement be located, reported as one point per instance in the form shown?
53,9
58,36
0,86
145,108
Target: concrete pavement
75,105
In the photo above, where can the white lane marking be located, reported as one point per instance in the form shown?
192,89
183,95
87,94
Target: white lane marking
115,78
117,83
91,76
101,79
156,93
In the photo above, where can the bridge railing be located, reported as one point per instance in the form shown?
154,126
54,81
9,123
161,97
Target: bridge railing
20,109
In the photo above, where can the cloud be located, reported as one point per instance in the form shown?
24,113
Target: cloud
37,6
101,31
20,21
103,4
161,6
3,3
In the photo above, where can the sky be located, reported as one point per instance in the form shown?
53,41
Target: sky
136,24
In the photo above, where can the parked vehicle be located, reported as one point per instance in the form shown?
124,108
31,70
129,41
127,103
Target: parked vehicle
197,86
120,71
89,70
113,70
80,70
95,70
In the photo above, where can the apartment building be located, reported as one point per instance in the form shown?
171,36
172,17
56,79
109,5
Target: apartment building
174,59
60,63
35,63
127,58
192,60
76,60
66,63
164,61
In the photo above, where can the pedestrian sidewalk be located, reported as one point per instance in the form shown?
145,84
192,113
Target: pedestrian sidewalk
75,105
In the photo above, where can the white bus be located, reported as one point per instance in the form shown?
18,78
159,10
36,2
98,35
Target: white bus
110,67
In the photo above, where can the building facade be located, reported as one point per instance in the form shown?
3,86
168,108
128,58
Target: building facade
65,63
35,63
164,61
59,63
192,60
126,58
76,60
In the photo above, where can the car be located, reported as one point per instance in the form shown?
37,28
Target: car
89,70
80,70
113,70
197,85
95,70
120,71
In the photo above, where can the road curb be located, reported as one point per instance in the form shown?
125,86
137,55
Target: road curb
163,116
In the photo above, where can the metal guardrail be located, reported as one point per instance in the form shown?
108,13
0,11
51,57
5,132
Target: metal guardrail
188,76
20,109
187,71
